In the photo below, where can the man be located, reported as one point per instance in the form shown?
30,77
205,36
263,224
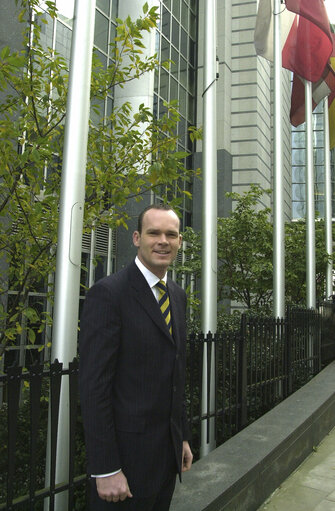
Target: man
132,372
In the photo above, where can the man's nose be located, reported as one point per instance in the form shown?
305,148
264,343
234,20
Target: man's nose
163,239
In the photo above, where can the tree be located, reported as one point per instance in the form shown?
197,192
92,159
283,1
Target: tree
130,153
245,255
295,261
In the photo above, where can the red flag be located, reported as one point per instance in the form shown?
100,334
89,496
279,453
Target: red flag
309,44
306,40
324,87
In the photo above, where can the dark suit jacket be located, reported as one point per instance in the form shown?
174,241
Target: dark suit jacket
132,380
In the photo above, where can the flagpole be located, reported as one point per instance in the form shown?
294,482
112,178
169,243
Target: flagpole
278,180
328,203
310,204
209,219
65,323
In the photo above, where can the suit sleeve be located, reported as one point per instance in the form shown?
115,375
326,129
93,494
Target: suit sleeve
99,341
185,422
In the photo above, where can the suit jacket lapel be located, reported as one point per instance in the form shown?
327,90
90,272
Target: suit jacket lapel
145,297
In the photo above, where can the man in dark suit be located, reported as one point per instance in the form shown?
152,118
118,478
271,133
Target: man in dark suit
132,372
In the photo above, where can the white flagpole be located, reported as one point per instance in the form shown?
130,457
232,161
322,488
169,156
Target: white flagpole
310,205
278,180
65,325
328,202
209,215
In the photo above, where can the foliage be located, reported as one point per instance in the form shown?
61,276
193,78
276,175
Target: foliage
129,153
295,261
245,256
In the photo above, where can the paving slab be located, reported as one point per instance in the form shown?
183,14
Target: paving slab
311,487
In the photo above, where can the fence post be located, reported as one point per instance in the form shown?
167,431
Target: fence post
242,374
288,352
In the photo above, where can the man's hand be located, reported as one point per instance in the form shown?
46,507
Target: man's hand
113,488
187,457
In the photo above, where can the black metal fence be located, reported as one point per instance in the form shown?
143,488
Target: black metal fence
250,371
254,369
31,400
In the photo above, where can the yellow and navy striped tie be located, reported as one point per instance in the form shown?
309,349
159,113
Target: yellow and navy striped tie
164,303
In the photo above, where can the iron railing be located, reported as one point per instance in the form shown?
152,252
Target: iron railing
30,395
254,369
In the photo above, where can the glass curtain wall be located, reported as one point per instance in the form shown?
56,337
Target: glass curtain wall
176,42
299,168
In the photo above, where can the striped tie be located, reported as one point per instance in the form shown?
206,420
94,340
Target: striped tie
164,303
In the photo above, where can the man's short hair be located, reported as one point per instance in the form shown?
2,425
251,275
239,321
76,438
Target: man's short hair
160,206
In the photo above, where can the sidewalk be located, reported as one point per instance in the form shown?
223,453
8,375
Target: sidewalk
312,486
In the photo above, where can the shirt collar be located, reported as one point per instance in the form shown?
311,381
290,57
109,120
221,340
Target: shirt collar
150,277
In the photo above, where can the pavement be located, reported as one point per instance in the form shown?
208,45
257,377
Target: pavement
311,487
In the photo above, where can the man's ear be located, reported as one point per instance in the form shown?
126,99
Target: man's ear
136,238
180,240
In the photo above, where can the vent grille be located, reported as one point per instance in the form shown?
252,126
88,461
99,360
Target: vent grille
101,241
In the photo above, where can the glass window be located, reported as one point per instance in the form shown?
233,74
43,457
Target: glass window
193,26
319,139
298,174
63,40
175,64
190,107
97,111
191,80
46,36
165,50
104,6
156,80
110,105
167,3
157,43
164,84
173,89
183,43
298,209
299,192
319,173
101,57
298,156
176,9
112,33
192,52
166,22
183,72
298,139
182,101
155,107
182,130
184,15
101,32
319,157
115,9
175,32
162,108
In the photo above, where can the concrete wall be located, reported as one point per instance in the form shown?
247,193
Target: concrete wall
245,470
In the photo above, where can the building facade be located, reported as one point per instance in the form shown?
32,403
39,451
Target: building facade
244,110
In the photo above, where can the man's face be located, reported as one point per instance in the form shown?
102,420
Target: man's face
159,240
